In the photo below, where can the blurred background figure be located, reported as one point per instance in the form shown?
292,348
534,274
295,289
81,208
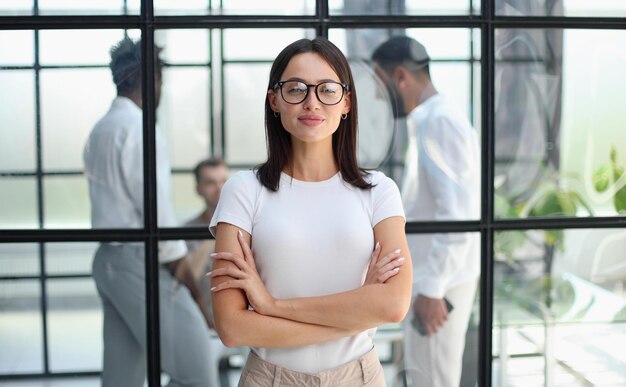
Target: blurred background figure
210,174
113,158
441,182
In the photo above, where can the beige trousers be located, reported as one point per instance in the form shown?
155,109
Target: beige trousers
365,371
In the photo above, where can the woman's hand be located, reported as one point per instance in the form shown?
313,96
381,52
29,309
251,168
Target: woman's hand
245,277
381,269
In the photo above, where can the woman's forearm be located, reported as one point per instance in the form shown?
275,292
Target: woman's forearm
237,327
359,309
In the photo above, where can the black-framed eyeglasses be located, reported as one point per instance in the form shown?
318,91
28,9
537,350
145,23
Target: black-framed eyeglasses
328,93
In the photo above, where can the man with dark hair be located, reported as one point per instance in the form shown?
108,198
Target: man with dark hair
113,159
441,182
210,174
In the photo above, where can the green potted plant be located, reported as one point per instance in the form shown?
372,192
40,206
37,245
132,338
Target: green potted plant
611,177
551,197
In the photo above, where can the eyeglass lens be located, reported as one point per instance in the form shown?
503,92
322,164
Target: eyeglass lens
328,93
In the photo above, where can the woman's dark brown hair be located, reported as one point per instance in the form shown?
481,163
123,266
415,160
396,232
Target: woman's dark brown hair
279,151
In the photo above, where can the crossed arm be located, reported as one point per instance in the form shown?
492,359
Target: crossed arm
385,296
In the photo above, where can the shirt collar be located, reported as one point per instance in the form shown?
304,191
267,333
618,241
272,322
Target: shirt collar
125,103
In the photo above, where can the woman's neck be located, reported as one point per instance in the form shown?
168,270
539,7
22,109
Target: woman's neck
312,162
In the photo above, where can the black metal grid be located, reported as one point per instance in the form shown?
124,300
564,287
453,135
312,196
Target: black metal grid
487,22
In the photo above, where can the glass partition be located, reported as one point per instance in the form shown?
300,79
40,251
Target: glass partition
407,144
21,336
559,312
407,7
92,7
234,7
457,279
559,123
247,68
49,122
571,8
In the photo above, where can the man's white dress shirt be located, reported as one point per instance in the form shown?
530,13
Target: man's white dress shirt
113,159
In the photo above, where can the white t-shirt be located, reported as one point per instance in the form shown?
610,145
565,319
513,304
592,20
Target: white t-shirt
310,239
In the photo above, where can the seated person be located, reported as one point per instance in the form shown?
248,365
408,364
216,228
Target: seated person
210,174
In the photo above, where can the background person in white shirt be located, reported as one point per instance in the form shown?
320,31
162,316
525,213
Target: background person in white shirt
312,218
113,159
441,182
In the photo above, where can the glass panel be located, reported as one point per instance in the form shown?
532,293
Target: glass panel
119,274
187,202
575,8
271,7
20,327
408,7
234,7
69,258
184,46
18,203
182,7
74,325
64,139
66,202
17,109
184,330
19,259
445,265
184,114
559,307
437,166
79,7
551,158
245,133
91,49
16,47
16,8
267,43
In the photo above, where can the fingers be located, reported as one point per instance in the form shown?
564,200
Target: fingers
388,258
390,269
234,258
233,284
435,318
375,255
227,271
395,264
388,274
247,252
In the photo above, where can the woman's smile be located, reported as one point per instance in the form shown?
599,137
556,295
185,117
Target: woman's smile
311,119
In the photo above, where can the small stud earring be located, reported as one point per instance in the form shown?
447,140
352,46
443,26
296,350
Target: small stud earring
344,116
276,114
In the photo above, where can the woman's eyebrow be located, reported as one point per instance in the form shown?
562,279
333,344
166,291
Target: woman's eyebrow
296,79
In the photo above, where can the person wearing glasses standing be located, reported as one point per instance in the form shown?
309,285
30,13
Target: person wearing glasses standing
441,182
310,248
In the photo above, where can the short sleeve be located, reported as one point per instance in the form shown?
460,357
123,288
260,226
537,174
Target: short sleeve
386,199
237,202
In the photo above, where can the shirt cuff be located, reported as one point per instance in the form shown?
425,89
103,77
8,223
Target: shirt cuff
429,287
171,251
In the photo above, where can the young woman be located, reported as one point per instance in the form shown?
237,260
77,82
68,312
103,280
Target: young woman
309,293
